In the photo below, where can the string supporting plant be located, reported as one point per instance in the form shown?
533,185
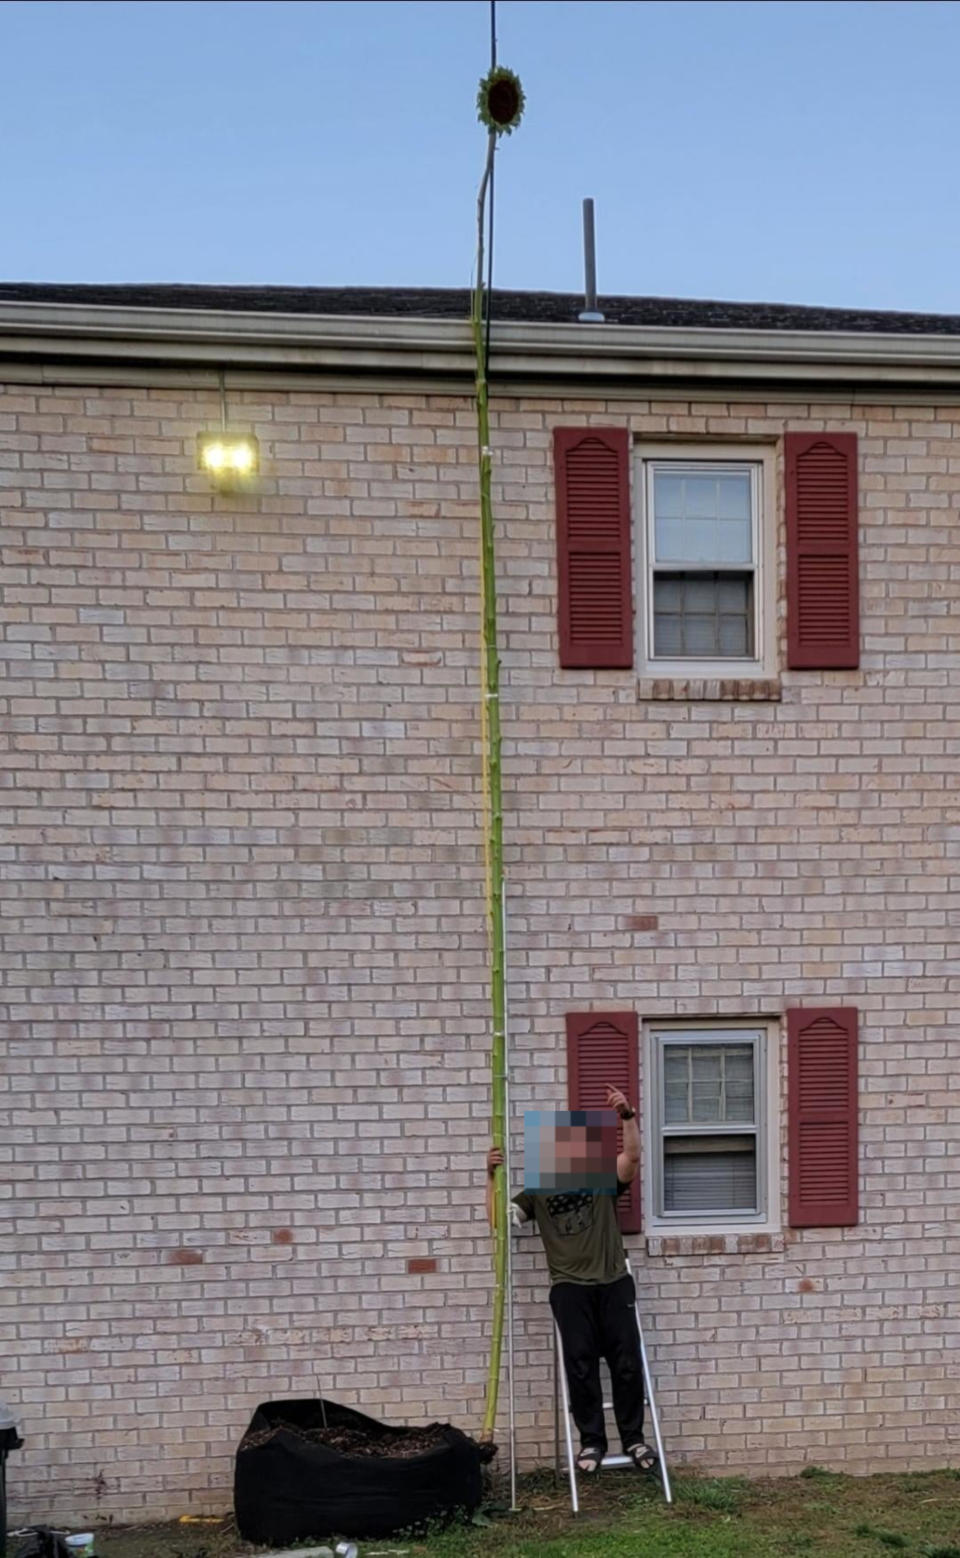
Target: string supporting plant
500,103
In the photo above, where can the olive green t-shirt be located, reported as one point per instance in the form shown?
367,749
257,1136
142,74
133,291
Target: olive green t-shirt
580,1233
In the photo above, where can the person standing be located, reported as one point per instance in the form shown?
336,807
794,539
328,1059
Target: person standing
592,1294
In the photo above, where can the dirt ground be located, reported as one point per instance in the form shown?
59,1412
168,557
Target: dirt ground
818,1515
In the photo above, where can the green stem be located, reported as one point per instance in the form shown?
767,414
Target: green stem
493,811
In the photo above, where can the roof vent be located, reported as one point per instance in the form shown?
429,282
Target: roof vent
590,314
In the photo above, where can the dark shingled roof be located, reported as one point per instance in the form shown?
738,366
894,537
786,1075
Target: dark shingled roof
453,303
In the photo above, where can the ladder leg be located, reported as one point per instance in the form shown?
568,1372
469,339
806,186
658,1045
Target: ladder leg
652,1403
655,1419
557,1409
567,1427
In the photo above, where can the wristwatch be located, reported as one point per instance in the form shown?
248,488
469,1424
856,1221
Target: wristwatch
631,1114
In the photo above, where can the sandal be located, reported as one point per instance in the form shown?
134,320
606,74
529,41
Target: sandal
643,1458
589,1460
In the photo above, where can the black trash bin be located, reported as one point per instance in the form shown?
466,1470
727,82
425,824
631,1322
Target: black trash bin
9,1440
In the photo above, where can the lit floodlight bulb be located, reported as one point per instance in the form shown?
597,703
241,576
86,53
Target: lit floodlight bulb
228,457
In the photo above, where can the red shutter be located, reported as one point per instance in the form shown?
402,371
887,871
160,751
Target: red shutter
823,586
595,588
602,1050
822,1076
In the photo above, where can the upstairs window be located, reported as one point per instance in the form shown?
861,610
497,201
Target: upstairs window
702,590
667,556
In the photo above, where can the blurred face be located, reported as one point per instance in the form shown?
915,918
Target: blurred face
565,1154
575,1149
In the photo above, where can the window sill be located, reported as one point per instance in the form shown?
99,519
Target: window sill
708,689
722,1242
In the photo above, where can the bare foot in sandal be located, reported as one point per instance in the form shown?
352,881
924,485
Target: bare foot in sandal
643,1458
589,1459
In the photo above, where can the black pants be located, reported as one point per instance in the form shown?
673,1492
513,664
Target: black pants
600,1322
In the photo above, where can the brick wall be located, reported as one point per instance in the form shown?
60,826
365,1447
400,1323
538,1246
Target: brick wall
243,996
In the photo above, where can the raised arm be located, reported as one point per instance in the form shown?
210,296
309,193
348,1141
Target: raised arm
628,1161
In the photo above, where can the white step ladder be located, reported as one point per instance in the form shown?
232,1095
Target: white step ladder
649,1401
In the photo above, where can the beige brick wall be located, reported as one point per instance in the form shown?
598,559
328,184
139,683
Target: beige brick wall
243,983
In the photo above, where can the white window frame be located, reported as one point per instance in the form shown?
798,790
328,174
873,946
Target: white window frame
765,1035
760,460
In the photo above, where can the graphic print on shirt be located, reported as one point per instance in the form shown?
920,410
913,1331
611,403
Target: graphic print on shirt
572,1213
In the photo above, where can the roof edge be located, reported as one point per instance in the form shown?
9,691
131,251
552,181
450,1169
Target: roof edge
416,347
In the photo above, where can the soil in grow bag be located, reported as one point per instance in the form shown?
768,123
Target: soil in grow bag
312,1469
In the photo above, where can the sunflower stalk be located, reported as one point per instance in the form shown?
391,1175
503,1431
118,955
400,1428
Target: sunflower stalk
493,806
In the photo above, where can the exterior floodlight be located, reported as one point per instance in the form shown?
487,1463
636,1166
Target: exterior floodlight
228,458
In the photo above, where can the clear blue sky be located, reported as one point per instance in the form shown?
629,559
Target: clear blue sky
772,151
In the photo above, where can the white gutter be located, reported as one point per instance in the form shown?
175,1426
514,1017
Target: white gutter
405,346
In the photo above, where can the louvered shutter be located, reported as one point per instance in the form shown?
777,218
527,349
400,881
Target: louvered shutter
823,1116
602,1050
823,586
595,588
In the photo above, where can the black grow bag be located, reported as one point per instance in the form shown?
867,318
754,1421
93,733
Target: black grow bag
9,1440
288,1488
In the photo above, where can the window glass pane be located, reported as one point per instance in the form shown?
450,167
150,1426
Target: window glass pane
668,637
703,541
733,495
706,1092
731,592
700,636
670,591
702,592
708,1084
700,497
672,541
738,1084
731,541
702,518
732,638
676,1084
710,1174
668,495
703,616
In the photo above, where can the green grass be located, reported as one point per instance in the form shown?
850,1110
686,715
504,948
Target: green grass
819,1514
888,1538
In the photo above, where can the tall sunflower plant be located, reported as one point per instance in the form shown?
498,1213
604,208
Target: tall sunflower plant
500,105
